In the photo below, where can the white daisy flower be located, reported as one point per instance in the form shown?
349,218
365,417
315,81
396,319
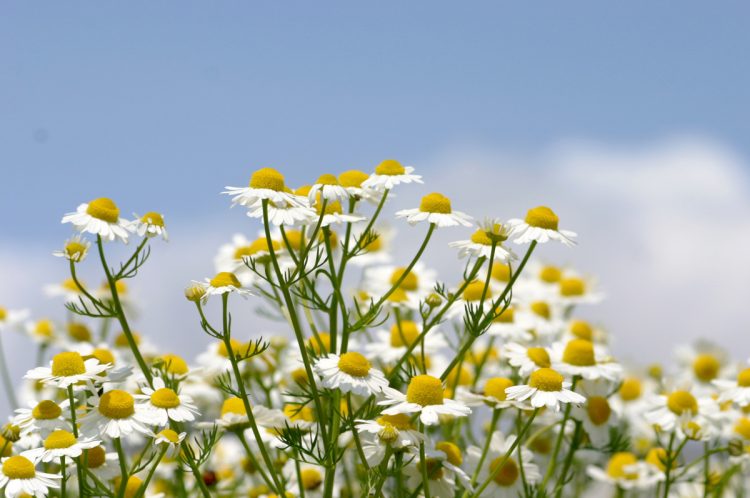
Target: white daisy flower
60,444
596,415
76,248
375,250
99,217
676,409
233,256
442,466
233,413
265,184
224,282
67,369
435,208
573,290
113,415
582,358
67,289
42,417
327,187
390,346
418,283
506,473
350,372
102,464
334,214
150,224
540,225
388,174
352,181
480,244
701,363
161,404
285,214
736,391
546,387
172,440
396,431
18,476
527,359
624,471
492,394
424,396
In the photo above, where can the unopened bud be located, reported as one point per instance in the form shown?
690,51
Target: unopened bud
433,300
195,293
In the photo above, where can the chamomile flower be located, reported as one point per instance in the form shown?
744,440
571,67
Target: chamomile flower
327,187
350,372
702,362
233,413
492,394
102,464
527,359
505,473
388,174
352,181
42,417
113,415
540,225
675,409
60,444
442,466
150,224
396,431
546,387
161,404
573,290
67,369
285,214
375,249
737,391
436,209
265,184
511,325
99,217
424,396
579,357
172,440
10,319
596,415
480,244
418,282
223,283
19,477
333,214
67,289
625,471
76,248
390,346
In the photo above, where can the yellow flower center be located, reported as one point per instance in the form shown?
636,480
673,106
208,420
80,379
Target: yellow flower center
680,402
311,479
44,328
327,179
706,367
400,421
435,203
550,274
121,341
267,178
132,486
153,218
354,364
459,376
540,308
507,316
233,343
743,378
59,439
18,467
425,390
353,178
539,356
170,436
234,405
46,410
258,245
409,283
480,237
598,409
546,379
581,330
165,398
75,250
631,389
390,167
579,352
297,412
496,387
452,452
225,279
321,343
372,244
174,364
398,296
294,239
501,273
103,209
95,457
79,332
8,445
299,375
505,473
742,427
116,404
617,464
474,291
332,207
658,458
3,314
388,433
67,364
572,287
542,217
405,335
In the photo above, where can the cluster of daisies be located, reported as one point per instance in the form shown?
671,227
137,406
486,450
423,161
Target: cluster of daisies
383,381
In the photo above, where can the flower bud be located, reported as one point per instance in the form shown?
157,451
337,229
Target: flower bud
736,447
195,293
433,300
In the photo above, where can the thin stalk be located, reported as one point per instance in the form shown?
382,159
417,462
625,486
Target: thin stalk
123,466
493,423
423,463
9,391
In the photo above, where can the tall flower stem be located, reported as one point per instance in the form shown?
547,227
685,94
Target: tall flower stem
493,423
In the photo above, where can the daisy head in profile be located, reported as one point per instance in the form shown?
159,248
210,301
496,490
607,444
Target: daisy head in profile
332,213
580,357
350,372
540,225
161,404
75,249
481,241
506,475
676,409
352,181
424,396
42,417
491,394
99,217
224,282
19,477
150,224
737,391
265,184
388,174
436,209
67,369
114,415
171,440
395,431
60,444
546,387
442,464
625,471
327,187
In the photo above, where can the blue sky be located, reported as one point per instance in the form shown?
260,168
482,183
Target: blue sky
160,104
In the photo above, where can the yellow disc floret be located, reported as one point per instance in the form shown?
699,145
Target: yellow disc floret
680,402
618,463
579,352
46,410
170,436
410,282
267,178
153,218
67,364
507,316
311,479
581,330
598,410
404,334
452,452
743,378
425,390
542,217
225,279
475,290
79,332
75,250
501,273
480,237
631,389
400,421
542,309
95,457
546,379
165,398
116,404
539,356
354,364
496,386
103,209
706,367
59,439
572,287
390,167
327,179
19,467
550,274
353,178
175,364
321,343
505,473
435,203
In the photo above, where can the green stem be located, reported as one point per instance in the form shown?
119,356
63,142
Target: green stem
558,442
144,485
9,391
495,418
123,466
423,463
